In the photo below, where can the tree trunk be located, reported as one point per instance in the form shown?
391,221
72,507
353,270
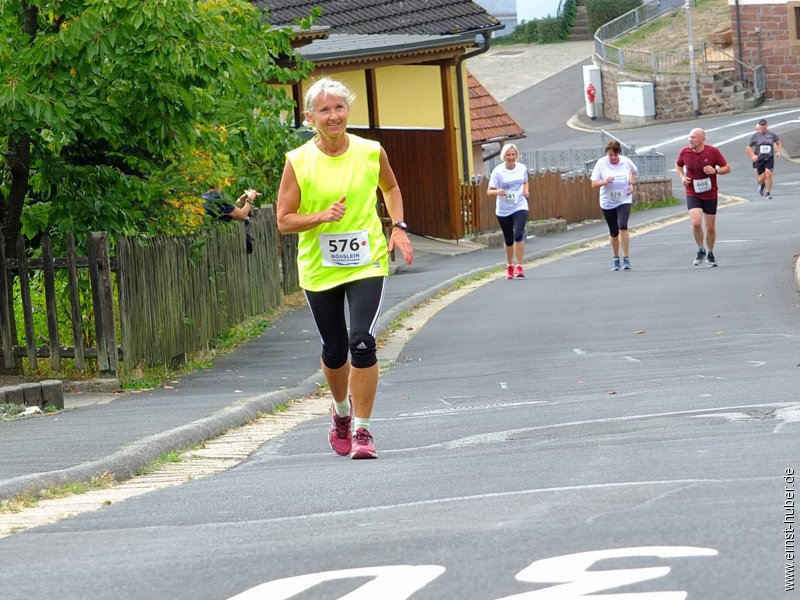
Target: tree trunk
19,160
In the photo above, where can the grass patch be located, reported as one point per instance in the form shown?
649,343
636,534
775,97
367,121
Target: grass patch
10,411
648,34
671,201
106,480
173,456
23,501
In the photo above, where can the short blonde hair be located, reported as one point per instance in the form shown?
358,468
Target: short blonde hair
504,150
324,87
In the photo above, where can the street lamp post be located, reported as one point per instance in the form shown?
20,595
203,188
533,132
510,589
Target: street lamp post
692,64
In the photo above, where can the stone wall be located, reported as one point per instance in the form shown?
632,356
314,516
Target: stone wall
775,45
652,190
672,95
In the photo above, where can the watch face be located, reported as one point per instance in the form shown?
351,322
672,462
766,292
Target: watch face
402,225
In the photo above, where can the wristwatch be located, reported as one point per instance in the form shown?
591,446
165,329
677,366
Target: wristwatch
401,225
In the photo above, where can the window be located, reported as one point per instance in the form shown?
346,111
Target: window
793,6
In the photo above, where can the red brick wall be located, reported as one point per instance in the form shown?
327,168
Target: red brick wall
772,47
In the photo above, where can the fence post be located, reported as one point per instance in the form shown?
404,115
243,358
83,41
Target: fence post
75,303
291,281
104,321
27,311
5,313
50,303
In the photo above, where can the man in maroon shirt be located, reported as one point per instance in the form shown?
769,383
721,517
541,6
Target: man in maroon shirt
698,166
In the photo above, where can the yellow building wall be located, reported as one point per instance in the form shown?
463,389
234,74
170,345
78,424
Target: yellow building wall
410,96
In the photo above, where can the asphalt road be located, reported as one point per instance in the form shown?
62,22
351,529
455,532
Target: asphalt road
576,432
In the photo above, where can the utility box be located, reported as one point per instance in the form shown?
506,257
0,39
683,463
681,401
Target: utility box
636,102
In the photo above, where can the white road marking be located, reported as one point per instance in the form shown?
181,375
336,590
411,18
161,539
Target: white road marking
463,409
501,436
785,414
748,121
575,573
568,489
631,359
397,582
789,414
579,352
579,578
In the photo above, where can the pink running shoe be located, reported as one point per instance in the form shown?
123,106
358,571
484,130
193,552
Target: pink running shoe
363,446
339,434
520,272
510,272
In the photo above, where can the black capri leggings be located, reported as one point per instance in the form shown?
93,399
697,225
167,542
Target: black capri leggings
513,227
365,299
617,218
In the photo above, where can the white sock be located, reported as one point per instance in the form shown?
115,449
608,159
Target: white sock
343,407
359,423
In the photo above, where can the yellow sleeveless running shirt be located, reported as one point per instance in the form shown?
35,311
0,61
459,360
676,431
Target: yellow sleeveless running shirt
355,247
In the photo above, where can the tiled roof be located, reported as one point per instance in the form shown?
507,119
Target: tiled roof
488,119
435,17
343,47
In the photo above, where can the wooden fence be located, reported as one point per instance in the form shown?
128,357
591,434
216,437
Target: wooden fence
174,294
551,196
98,265
177,293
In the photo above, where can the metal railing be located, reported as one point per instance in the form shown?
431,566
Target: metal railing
632,20
650,165
605,137
750,78
580,161
709,60
566,159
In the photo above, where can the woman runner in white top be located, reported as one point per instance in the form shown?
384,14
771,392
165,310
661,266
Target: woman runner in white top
615,175
509,184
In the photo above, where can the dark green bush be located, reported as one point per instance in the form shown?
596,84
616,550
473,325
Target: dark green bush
518,36
569,13
531,31
600,12
550,30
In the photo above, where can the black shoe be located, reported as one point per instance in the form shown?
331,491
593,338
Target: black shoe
710,260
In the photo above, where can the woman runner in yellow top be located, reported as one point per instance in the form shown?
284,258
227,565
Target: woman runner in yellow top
328,195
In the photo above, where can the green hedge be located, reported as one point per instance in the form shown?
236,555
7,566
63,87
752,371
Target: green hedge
531,31
550,30
546,30
568,15
600,12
